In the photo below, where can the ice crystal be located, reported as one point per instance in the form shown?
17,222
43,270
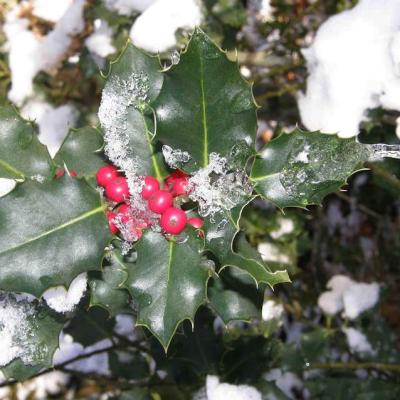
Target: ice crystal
175,158
380,150
118,95
215,188
38,178
18,331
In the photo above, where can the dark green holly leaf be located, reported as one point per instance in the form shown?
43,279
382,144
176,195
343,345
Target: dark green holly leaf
205,105
128,365
125,113
81,152
231,305
21,154
92,326
301,168
107,290
29,333
134,394
49,234
220,235
168,281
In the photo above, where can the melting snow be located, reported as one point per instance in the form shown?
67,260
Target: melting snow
216,189
17,330
174,158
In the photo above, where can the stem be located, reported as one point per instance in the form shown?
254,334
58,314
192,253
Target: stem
356,365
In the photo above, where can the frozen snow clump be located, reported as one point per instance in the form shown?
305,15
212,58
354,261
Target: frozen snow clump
100,41
221,391
352,70
272,310
357,341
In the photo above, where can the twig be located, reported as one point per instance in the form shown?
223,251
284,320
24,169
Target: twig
355,365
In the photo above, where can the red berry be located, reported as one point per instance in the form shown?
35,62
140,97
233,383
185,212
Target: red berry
180,186
160,201
151,186
111,216
170,179
60,172
106,174
196,222
173,220
73,173
117,190
124,213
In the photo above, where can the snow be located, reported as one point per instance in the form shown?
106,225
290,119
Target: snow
352,297
215,189
29,54
272,253
359,298
357,341
155,29
286,381
175,157
6,186
17,330
354,65
272,310
285,226
54,122
128,7
41,387
222,391
62,300
50,10
68,350
125,326
100,41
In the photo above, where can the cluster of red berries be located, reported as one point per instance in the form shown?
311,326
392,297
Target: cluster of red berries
173,219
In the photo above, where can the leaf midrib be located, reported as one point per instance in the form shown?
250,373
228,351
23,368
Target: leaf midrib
65,225
204,114
11,169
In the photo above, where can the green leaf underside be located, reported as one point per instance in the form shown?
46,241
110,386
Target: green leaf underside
49,234
44,330
81,152
21,153
219,240
139,121
301,168
232,306
106,291
168,282
205,105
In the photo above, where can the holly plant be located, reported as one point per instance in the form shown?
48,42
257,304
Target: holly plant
151,199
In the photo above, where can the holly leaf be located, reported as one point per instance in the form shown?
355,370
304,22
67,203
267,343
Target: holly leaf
205,105
169,283
49,234
301,168
21,154
107,290
32,331
231,305
220,237
134,81
81,152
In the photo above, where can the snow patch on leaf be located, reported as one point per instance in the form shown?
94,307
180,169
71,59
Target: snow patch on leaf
215,188
62,300
175,158
18,323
